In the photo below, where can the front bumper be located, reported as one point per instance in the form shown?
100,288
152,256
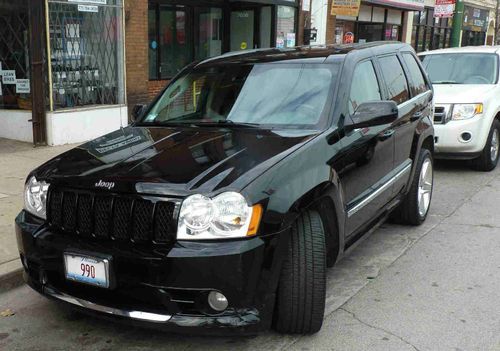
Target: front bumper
162,287
449,137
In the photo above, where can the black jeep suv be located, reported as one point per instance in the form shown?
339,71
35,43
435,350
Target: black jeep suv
222,206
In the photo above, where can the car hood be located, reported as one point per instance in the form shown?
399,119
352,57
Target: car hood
173,161
459,93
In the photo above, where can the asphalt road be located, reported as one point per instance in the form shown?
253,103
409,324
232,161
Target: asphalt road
435,287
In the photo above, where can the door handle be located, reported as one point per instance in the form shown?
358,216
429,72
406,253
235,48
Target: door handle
386,135
416,116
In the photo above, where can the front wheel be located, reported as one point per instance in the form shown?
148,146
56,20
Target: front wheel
302,287
490,154
415,207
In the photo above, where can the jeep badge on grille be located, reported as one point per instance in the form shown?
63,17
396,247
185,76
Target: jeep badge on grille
105,185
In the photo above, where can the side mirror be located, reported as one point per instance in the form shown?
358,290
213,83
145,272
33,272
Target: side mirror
375,113
137,111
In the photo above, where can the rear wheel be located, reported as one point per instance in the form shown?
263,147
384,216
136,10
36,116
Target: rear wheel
302,287
415,207
490,154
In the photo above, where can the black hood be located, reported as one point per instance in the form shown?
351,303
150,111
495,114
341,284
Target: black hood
174,161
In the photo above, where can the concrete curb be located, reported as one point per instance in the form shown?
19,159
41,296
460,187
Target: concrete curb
11,275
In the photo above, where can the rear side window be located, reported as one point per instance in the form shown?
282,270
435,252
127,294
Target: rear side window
364,86
395,79
417,83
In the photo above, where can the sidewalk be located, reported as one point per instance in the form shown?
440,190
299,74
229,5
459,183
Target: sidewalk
17,159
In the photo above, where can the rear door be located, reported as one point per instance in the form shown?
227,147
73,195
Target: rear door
399,90
418,107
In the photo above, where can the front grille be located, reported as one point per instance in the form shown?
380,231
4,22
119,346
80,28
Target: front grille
440,115
112,217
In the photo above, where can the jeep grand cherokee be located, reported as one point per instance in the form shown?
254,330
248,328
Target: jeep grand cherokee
220,208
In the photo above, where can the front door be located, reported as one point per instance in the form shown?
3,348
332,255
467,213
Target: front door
251,27
242,30
367,160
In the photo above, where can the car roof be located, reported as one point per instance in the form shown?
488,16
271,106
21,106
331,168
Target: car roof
319,53
464,50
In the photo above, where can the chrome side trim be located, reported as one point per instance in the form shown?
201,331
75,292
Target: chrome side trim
138,315
379,190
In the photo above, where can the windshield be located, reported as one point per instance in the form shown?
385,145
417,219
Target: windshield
462,68
284,95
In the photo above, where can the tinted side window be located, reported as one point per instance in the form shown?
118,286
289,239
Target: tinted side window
417,84
395,79
364,86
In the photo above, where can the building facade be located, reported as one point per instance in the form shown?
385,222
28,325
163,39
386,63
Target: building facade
376,20
62,68
162,36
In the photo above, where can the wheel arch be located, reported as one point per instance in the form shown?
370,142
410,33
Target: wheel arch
325,198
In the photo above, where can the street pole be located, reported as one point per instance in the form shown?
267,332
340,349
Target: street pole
495,36
458,19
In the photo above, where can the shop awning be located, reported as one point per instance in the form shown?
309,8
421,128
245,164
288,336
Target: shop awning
411,5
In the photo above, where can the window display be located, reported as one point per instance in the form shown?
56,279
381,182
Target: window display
86,54
15,92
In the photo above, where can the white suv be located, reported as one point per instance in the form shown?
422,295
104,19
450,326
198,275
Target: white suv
467,104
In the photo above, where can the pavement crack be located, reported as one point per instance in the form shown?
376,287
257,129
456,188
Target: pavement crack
353,315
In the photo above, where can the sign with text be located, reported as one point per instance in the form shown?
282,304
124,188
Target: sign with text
99,2
345,8
23,86
9,77
415,5
444,8
88,8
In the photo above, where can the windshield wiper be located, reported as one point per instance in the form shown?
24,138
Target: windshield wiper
445,82
228,123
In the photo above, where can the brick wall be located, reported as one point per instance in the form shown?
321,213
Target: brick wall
330,25
154,87
136,51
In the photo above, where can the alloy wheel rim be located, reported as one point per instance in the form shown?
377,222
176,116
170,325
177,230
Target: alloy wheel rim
425,187
494,145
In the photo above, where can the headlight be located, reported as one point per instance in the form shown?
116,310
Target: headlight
225,216
35,197
466,111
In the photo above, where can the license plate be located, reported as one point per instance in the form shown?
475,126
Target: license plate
87,269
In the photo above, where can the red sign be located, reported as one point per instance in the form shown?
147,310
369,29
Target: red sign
444,8
348,38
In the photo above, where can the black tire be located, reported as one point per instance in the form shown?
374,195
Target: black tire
300,305
484,163
408,211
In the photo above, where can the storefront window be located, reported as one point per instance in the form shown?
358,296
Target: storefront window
209,26
285,27
180,35
14,59
430,33
86,53
175,42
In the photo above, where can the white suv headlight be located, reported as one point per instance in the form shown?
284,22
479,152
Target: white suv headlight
466,111
35,197
228,215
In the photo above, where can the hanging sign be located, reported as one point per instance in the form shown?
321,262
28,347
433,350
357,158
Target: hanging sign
23,86
345,8
9,77
88,8
444,8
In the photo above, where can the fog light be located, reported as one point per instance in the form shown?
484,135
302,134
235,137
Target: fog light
217,301
466,137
